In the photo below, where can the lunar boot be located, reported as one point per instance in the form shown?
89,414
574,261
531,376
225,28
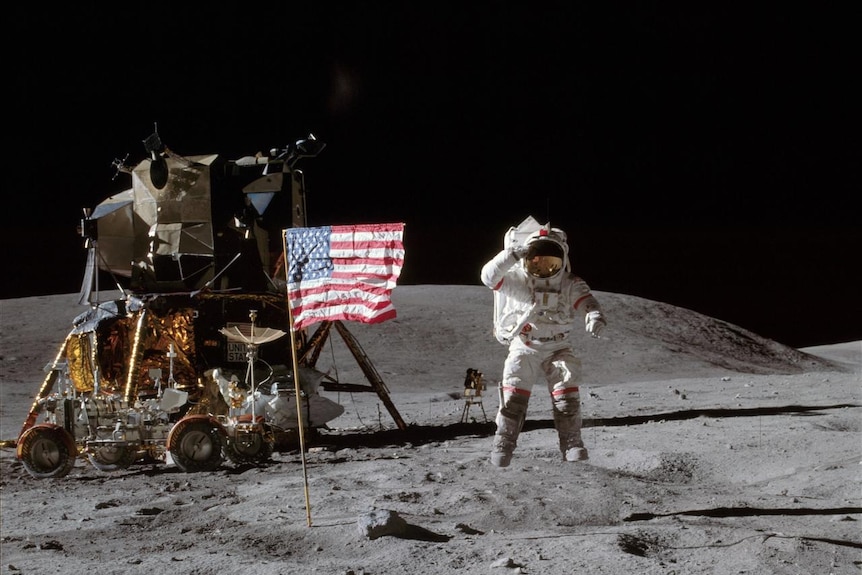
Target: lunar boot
567,421
510,419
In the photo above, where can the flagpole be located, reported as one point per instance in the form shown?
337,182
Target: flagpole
297,388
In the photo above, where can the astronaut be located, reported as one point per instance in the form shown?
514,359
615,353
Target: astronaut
537,302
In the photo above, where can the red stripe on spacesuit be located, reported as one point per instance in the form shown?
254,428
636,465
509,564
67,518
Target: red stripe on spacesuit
582,298
564,391
516,390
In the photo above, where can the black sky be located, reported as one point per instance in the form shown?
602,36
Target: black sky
705,157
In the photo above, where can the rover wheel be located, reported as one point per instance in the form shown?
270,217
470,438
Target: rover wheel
249,447
196,445
47,451
111,457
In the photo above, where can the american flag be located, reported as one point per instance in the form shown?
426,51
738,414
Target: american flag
343,272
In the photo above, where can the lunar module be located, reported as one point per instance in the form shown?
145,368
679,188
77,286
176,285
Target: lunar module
192,363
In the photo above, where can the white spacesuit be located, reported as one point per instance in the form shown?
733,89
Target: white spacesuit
537,301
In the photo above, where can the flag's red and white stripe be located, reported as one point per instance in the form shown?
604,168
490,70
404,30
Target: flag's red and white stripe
343,272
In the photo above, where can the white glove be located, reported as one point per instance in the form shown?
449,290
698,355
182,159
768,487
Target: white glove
519,251
595,323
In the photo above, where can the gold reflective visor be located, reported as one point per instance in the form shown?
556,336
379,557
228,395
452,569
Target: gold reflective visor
543,266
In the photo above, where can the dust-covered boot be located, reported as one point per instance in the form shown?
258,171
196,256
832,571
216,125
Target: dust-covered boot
510,419
576,454
501,451
568,424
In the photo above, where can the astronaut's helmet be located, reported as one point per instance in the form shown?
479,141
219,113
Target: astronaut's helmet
547,253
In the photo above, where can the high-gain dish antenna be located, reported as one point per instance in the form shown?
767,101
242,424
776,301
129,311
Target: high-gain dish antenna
253,338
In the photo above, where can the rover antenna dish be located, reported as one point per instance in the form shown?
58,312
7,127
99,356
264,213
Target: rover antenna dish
243,334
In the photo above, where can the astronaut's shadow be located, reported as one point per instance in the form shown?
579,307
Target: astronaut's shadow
695,413
424,434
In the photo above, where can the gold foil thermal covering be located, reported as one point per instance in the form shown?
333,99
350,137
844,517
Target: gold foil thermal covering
79,355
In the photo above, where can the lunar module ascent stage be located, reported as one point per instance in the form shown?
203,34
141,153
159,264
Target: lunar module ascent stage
192,364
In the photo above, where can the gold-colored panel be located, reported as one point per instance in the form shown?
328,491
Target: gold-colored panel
79,358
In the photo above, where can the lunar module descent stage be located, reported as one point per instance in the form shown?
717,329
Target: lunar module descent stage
191,364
